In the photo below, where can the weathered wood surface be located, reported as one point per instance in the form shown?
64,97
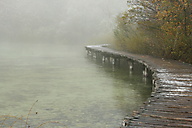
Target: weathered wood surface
170,104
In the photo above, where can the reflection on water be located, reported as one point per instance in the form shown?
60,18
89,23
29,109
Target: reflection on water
71,88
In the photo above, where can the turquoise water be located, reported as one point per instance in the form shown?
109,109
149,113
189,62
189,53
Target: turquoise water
70,87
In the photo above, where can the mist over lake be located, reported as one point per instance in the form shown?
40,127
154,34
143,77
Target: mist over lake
42,57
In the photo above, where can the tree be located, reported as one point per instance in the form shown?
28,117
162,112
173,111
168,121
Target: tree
174,18
164,26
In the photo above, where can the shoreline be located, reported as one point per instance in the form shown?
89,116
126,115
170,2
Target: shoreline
170,102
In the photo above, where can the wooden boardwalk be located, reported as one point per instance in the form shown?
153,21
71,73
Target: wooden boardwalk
170,104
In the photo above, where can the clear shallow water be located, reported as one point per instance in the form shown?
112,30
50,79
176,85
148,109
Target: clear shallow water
70,87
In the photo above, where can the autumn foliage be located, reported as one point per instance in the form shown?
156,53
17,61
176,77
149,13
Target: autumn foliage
160,28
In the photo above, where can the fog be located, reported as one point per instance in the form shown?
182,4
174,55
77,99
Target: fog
42,57
72,21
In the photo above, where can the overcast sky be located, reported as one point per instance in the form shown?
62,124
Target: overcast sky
57,19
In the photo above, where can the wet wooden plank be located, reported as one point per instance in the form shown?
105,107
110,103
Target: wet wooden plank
151,121
170,102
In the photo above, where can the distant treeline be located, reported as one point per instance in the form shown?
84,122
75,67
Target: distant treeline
161,28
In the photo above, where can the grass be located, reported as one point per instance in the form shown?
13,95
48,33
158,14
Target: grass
10,121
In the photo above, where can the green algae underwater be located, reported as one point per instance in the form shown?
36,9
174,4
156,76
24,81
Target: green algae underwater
70,88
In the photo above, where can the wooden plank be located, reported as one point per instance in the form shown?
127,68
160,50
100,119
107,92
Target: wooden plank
170,102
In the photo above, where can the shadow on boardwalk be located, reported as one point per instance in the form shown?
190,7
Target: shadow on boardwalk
170,104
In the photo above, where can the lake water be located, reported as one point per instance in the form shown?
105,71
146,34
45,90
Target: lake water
70,87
